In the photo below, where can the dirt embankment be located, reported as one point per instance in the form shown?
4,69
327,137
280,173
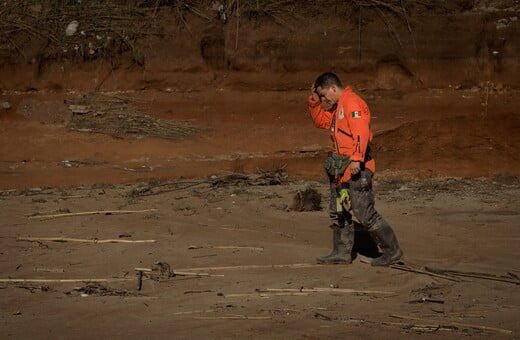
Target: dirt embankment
442,75
273,45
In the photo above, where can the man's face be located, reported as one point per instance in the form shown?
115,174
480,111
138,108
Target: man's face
329,94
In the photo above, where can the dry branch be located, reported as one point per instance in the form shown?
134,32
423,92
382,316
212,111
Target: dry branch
329,290
421,327
67,239
234,317
97,212
256,266
455,324
227,247
176,272
274,177
112,115
100,290
420,271
485,276
64,280
412,269
265,295
195,312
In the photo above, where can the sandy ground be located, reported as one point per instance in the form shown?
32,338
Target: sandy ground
259,255
263,281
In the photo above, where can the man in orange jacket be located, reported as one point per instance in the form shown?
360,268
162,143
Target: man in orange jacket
350,168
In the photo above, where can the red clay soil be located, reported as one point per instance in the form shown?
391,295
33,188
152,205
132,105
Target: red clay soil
248,131
440,82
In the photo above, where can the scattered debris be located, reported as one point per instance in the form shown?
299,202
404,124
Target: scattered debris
421,328
425,299
445,323
100,113
274,177
307,200
29,286
162,271
79,109
322,316
100,290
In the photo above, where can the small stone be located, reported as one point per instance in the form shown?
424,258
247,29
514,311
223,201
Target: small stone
72,27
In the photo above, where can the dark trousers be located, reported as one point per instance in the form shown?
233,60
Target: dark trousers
361,200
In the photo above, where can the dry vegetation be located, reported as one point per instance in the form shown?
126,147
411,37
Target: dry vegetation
88,30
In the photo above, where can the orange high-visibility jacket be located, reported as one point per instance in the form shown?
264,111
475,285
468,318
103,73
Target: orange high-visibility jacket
349,126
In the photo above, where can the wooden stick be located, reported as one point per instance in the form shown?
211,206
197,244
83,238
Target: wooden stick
482,311
65,280
266,295
328,290
180,273
99,212
238,247
234,317
227,247
67,239
195,312
484,276
452,323
420,271
257,266
417,270
421,327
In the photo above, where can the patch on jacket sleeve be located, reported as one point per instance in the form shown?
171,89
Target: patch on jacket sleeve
341,113
356,114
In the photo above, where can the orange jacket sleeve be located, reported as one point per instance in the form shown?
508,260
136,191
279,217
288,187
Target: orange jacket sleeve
320,117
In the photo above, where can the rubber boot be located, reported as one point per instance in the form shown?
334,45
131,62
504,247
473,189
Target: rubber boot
342,242
388,242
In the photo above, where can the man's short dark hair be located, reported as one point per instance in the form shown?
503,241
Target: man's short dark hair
326,80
